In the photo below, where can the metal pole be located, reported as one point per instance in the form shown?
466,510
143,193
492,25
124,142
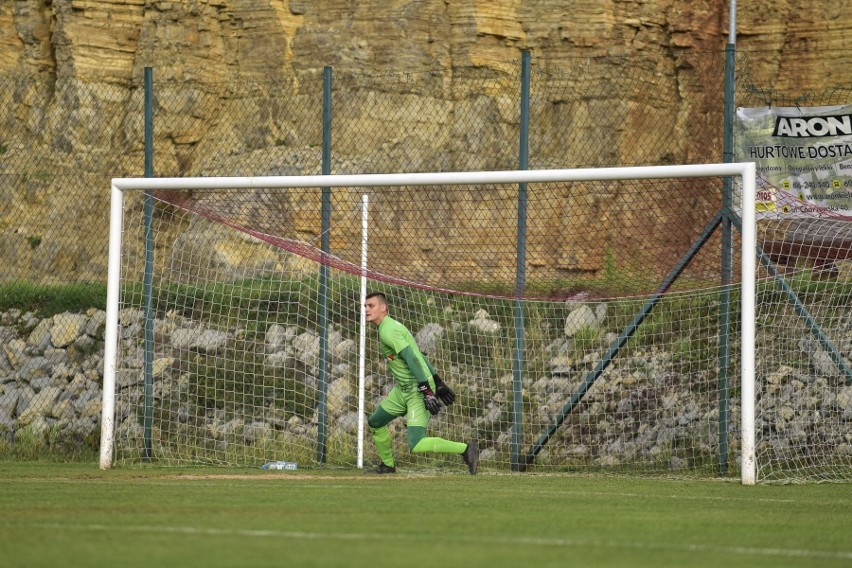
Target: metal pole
148,280
727,260
732,23
436,178
116,220
322,410
362,340
748,466
520,276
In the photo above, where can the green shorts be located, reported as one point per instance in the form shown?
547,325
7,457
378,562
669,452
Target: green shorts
408,404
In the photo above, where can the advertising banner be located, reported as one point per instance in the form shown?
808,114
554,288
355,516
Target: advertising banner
803,157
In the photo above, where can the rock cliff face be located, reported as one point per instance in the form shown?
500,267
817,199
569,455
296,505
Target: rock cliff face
111,40
92,54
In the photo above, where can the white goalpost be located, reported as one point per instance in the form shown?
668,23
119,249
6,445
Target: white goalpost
362,337
616,365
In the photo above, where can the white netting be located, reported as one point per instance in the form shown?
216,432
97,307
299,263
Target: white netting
237,335
804,341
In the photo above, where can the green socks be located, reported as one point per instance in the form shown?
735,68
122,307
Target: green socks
439,446
381,437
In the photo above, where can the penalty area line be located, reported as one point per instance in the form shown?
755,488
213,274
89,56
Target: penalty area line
461,539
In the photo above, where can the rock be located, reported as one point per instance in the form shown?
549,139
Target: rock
211,341
96,324
491,416
40,405
42,382
344,351
63,410
823,364
7,427
581,317
67,328
130,316
844,398
77,385
561,365
600,313
14,351
780,375
202,340
427,338
257,431
82,347
608,460
62,373
163,330
340,370
40,336
277,337
29,321
133,331
58,356
10,317
349,423
339,392
483,322
130,429
559,346
127,377
34,367
306,346
281,359
25,397
161,366
9,399
184,338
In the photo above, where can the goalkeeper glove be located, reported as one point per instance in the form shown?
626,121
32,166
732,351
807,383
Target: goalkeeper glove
443,392
432,404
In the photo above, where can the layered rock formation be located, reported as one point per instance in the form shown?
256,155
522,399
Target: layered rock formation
801,43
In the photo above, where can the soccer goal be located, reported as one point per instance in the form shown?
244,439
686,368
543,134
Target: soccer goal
623,320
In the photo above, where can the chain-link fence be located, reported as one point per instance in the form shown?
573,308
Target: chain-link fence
61,141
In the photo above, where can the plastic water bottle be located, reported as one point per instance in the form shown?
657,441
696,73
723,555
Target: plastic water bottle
280,465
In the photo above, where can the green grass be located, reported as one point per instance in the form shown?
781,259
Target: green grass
75,515
51,299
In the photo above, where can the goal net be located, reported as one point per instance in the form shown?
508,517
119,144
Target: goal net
588,320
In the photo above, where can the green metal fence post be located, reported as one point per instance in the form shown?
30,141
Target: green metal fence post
727,260
322,410
148,279
520,275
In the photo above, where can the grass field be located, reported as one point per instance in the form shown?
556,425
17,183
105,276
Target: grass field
76,515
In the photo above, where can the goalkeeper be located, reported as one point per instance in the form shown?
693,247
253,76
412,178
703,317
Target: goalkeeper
415,394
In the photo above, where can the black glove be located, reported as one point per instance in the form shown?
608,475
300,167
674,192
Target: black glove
443,392
432,404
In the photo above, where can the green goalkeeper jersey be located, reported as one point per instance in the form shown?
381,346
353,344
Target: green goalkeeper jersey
407,364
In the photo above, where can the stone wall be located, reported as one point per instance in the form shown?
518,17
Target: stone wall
645,411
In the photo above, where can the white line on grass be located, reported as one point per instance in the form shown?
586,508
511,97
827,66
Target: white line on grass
533,541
